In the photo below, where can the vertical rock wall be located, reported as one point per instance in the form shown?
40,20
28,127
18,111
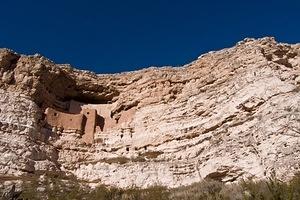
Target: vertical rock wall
20,145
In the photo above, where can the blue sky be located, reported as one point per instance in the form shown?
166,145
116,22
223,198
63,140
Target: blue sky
117,35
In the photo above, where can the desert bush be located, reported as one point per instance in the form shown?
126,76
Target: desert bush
206,190
152,193
272,189
56,188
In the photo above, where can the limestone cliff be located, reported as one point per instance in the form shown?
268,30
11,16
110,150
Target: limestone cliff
229,115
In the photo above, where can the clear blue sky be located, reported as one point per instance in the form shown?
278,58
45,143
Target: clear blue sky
123,35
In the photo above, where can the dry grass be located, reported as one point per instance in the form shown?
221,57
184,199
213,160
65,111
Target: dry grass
55,189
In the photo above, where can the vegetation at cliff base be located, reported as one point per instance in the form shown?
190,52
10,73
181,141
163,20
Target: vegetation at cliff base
54,188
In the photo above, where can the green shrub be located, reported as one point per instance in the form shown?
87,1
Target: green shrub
206,190
68,188
272,189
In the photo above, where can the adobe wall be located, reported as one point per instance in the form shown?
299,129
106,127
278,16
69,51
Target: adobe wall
90,124
98,119
65,120
104,110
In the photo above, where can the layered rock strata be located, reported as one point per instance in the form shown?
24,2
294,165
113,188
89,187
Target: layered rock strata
229,115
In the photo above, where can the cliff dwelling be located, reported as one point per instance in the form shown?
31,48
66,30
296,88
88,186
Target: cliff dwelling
83,122
91,121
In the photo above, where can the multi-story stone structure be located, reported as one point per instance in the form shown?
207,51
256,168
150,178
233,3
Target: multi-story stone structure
84,122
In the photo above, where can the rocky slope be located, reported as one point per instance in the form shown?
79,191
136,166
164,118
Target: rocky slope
229,115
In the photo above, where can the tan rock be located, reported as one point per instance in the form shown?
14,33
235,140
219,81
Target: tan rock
229,115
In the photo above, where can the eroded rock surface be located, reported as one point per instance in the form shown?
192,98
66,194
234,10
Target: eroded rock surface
229,115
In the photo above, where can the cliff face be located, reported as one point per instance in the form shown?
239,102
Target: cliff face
228,115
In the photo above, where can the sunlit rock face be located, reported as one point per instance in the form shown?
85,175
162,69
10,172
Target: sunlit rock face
229,115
